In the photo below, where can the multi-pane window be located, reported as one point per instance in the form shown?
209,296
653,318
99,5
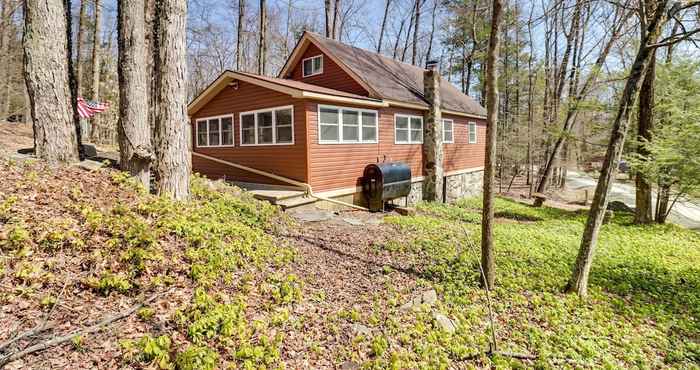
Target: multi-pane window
338,125
448,131
408,129
472,133
268,126
312,66
215,131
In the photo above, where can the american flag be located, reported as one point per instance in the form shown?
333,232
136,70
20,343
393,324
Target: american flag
89,108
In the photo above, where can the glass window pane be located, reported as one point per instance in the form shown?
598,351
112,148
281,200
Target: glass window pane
401,136
283,117
329,115
329,132
265,119
369,133
202,133
369,119
214,132
308,66
351,118
416,123
350,133
401,122
284,134
247,121
416,136
248,136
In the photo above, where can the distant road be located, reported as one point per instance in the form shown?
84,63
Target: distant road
684,212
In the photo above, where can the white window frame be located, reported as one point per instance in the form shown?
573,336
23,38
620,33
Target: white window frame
471,126
320,70
206,119
409,142
360,124
255,127
452,130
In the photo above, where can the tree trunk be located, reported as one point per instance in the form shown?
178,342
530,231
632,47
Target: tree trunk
643,206
488,262
172,150
381,30
133,129
262,44
79,47
46,76
97,131
414,54
327,8
239,35
579,278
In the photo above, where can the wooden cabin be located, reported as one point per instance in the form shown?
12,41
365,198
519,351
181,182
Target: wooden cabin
332,110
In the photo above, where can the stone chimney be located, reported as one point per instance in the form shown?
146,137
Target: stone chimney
433,174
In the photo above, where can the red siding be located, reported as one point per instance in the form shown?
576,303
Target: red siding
339,166
285,160
333,76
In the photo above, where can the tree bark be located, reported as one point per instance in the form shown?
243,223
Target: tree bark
97,131
414,53
134,130
46,75
262,44
239,35
579,278
79,46
643,204
172,150
488,262
381,30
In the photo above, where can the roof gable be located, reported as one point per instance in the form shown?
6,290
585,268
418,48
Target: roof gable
383,77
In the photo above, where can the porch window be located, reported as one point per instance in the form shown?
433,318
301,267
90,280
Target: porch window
215,131
472,133
312,66
408,129
272,126
338,125
447,131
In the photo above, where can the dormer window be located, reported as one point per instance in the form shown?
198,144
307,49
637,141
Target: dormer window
312,66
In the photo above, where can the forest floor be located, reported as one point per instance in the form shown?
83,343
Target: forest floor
230,282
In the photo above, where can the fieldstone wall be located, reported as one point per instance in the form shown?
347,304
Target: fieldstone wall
464,185
457,186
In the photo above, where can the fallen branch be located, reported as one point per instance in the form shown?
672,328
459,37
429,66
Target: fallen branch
65,338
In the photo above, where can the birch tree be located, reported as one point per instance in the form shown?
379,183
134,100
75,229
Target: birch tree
173,161
46,75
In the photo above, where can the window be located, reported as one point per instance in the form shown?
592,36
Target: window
273,126
215,131
447,131
408,129
312,66
338,125
472,133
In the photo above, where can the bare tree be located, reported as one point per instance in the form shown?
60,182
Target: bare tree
262,42
133,129
416,33
579,278
173,162
383,27
488,262
97,130
239,35
46,75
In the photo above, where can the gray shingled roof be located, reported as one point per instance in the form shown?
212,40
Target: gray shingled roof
394,80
